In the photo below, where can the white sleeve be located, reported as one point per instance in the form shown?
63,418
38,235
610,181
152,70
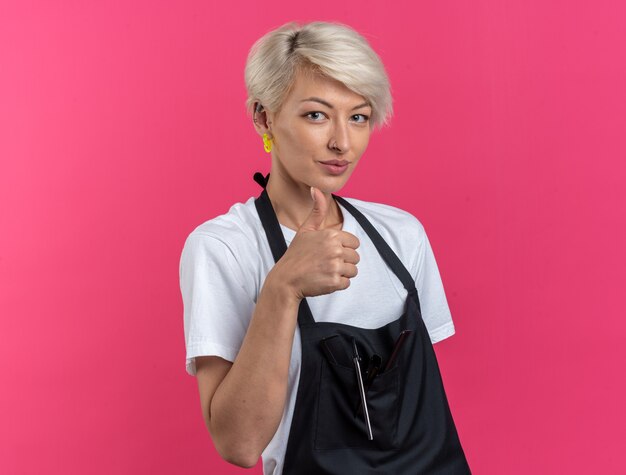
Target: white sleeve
217,308
433,302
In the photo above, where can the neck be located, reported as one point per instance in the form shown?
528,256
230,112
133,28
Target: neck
293,206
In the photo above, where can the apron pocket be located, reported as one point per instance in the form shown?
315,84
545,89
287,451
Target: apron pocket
336,425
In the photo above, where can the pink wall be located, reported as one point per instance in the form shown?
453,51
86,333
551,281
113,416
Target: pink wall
122,127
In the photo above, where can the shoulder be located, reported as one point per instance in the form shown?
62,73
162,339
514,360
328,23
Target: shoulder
401,229
231,239
237,230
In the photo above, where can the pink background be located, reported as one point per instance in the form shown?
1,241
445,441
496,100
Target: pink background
122,127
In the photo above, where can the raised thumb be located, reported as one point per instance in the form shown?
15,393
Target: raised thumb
318,213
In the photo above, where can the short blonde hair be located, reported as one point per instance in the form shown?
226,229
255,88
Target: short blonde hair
332,49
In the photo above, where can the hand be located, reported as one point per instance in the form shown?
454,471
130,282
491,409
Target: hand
319,261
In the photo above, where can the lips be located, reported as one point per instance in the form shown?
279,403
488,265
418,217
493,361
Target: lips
339,163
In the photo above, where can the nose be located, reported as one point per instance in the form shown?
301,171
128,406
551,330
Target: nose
340,138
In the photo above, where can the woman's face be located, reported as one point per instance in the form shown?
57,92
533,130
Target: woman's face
320,120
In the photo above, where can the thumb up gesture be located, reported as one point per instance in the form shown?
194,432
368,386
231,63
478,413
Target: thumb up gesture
319,261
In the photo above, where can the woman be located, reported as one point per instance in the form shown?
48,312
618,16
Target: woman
299,358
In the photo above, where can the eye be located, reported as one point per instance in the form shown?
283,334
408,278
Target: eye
315,116
360,118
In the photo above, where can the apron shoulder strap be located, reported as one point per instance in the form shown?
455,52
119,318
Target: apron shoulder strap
276,239
384,250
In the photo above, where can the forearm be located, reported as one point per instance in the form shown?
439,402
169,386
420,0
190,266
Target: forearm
248,405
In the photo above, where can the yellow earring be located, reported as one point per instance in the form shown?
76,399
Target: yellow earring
267,143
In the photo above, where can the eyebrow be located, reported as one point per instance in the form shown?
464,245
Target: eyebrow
327,104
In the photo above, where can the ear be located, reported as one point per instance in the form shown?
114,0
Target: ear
261,119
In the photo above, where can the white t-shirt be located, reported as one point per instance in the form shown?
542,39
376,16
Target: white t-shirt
224,263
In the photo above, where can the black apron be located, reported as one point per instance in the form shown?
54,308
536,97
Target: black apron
411,424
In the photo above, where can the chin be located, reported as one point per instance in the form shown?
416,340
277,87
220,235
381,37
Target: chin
333,185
